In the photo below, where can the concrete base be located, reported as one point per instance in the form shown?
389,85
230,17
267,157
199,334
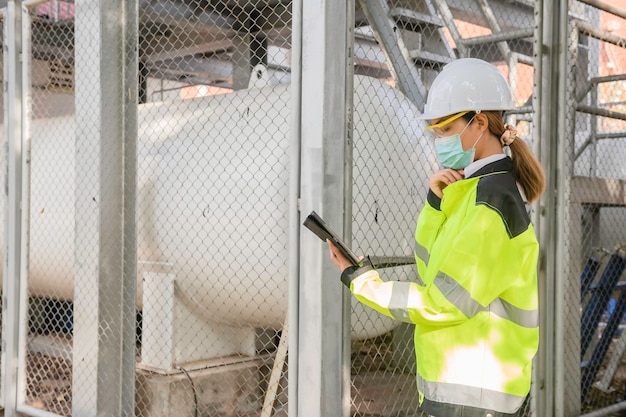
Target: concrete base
217,389
235,386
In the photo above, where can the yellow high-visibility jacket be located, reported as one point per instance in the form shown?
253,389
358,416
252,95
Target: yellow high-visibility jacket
475,303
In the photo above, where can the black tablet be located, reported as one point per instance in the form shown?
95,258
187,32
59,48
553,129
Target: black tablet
318,226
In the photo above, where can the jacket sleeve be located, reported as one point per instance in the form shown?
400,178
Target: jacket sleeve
404,301
480,264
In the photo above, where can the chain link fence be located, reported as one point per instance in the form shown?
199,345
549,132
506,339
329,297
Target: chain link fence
213,208
212,249
432,33
213,129
597,235
51,260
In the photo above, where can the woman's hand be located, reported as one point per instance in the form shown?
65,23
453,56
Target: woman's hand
441,179
337,257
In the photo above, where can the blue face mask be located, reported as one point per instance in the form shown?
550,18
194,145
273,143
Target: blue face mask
450,153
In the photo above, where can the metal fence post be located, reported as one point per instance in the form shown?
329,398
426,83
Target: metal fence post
550,108
12,294
294,207
322,330
105,283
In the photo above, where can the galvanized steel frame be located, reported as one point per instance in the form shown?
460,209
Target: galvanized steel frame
13,295
550,32
323,304
105,284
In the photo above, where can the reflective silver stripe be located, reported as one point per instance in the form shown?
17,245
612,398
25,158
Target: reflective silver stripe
422,253
507,311
419,278
457,295
399,301
470,396
462,299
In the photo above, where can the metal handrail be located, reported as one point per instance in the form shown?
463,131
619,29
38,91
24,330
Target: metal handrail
606,7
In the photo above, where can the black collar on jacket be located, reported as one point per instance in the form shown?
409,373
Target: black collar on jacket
500,165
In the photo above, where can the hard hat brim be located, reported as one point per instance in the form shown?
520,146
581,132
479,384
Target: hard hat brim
431,115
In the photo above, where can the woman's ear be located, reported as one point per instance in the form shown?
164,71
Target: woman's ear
482,121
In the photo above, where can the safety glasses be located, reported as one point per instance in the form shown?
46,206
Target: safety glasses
437,130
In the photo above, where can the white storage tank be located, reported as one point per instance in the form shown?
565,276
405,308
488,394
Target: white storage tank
213,177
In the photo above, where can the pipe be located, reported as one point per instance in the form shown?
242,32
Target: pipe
603,412
495,27
598,80
395,51
606,7
611,135
499,37
448,20
596,111
34,412
600,34
520,110
277,369
608,78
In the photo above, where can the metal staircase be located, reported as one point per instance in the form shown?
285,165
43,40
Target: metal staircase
412,36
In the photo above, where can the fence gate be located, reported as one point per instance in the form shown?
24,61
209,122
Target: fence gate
594,239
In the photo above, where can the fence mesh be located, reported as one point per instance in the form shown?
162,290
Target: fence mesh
211,215
391,171
51,260
596,168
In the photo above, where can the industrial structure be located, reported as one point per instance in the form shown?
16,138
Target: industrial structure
159,157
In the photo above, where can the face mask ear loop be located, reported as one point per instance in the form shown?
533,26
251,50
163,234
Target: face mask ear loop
481,135
469,123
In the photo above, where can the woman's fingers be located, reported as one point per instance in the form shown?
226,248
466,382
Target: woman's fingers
441,179
337,257
450,175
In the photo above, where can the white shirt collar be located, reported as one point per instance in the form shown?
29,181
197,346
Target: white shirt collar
476,165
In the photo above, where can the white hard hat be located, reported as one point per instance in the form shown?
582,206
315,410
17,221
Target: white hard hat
467,84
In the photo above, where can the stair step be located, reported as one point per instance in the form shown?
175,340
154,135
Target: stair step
429,59
413,20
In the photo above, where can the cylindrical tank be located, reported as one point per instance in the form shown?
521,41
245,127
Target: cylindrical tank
213,177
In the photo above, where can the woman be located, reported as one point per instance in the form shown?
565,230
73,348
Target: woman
475,301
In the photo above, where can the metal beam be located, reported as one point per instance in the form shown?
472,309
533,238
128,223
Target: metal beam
617,11
393,47
596,111
598,80
103,379
600,34
155,50
498,37
323,324
12,282
550,101
502,11
601,191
